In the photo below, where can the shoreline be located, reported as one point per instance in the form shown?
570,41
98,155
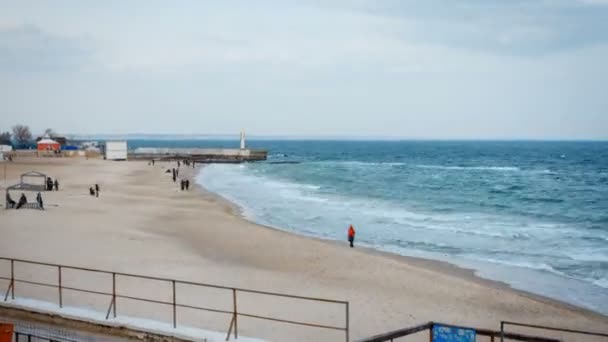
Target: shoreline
440,266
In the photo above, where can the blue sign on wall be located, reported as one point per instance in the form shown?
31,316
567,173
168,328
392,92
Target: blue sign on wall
442,333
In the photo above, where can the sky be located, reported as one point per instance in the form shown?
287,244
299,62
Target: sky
469,69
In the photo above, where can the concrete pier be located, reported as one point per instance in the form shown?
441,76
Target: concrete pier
200,155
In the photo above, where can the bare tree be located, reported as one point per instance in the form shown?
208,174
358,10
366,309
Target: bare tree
22,135
49,132
5,138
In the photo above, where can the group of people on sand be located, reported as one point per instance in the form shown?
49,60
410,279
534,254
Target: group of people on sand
94,191
187,162
23,201
50,184
185,184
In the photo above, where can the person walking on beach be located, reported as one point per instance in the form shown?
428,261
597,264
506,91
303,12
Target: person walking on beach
96,190
39,200
351,236
182,184
187,184
56,185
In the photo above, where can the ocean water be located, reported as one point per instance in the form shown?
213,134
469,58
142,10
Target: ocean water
531,214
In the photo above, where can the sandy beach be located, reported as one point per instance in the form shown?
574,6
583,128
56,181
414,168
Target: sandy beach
142,223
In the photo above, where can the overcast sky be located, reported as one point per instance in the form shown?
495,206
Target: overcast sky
411,69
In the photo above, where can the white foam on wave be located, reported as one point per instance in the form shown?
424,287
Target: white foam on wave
601,282
357,163
308,209
476,168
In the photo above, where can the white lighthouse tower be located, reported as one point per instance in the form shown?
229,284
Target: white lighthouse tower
242,140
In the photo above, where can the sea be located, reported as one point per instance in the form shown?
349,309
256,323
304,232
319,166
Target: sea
532,214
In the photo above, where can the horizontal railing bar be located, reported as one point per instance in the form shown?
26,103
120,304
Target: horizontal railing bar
177,281
170,303
17,333
57,286
495,333
144,299
204,309
292,296
292,322
86,291
555,328
34,283
54,265
483,332
398,333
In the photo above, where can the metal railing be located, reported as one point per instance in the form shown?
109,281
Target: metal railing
390,336
21,337
544,327
114,295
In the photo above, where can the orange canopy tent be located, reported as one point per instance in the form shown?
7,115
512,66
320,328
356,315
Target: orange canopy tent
48,145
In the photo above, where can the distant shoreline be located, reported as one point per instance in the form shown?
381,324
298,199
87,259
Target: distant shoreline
235,138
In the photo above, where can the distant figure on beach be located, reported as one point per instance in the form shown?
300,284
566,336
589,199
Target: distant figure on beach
152,162
39,200
22,201
10,202
91,191
178,164
56,185
182,184
49,184
351,236
174,175
193,164
187,184
96,190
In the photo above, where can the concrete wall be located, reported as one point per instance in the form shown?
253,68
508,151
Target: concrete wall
194,151
209,155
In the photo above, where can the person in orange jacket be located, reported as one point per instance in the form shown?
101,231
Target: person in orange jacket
351,236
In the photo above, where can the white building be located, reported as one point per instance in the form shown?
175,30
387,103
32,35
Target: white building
115,150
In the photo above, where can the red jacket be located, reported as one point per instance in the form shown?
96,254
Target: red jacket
351,232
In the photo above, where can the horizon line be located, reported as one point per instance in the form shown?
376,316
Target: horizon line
235,137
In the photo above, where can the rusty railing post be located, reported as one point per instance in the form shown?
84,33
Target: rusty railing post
114,293
431,331
112,306
347,323
235,314
230,328
502,331
174,307
60,291
12,279
9,289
